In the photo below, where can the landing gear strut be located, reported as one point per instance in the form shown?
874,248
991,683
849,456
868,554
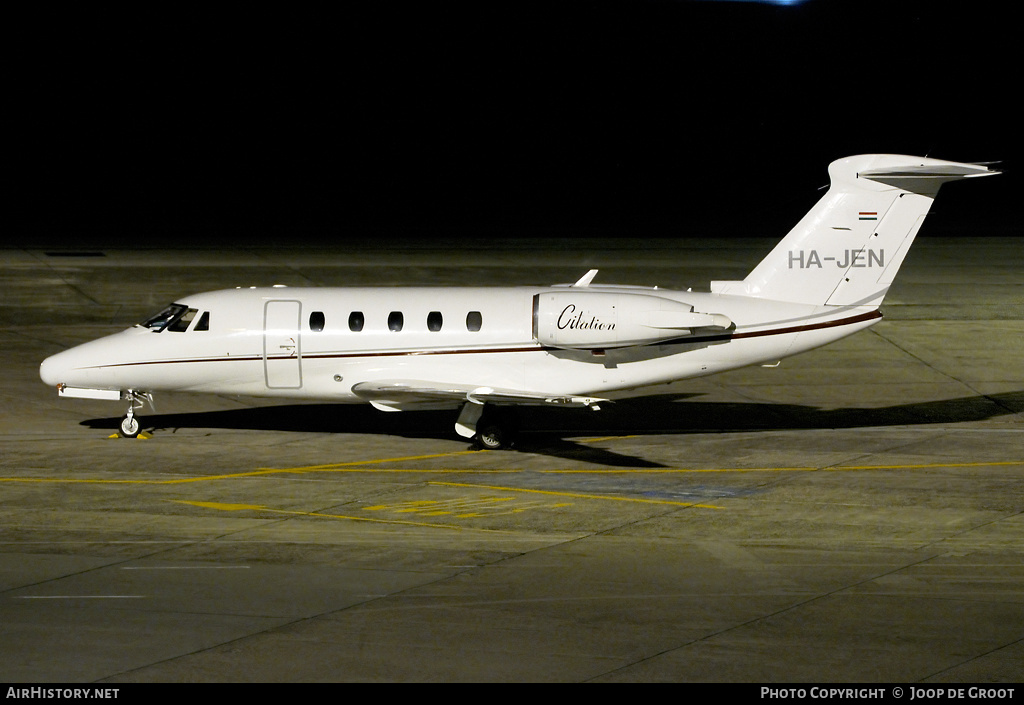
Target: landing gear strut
490,428
129,424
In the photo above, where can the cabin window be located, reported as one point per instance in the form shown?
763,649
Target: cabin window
158,322
181,325
474,321
434,321
395,321
355,321
204,322
316,321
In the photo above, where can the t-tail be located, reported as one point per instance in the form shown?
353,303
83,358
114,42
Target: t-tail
847,249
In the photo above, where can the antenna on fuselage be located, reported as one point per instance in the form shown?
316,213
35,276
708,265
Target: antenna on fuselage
585,280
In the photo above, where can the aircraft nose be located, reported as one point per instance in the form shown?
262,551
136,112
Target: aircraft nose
53,369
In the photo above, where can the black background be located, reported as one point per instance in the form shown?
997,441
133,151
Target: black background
358,123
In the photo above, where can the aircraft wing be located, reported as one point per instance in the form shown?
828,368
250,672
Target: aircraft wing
400,395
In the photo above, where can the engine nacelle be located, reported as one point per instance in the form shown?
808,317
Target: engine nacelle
607,319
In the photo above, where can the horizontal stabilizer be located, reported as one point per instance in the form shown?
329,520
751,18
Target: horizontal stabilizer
925,178
941,171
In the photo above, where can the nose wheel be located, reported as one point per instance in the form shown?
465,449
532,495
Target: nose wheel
130,427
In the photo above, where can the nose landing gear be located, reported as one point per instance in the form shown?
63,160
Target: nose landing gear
130,427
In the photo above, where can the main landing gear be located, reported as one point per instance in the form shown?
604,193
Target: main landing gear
490,428
130,427
493,436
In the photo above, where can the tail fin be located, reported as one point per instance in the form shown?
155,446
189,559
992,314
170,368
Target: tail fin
847,249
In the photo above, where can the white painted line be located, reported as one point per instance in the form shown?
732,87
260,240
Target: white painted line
78,597
187,567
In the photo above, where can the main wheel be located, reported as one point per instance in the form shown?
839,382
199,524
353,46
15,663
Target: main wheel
493,437
129,427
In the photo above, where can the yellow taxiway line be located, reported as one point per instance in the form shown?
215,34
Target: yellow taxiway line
223,506
575,495
366,466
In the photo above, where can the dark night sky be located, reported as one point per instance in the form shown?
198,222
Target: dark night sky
495,119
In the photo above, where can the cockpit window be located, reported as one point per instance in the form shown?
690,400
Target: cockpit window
204,322
165,318
181,325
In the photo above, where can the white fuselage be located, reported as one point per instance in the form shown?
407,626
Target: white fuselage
317,343
575,345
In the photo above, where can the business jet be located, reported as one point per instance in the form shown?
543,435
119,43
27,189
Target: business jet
485,349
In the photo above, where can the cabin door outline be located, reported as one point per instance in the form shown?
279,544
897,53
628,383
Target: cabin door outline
282,344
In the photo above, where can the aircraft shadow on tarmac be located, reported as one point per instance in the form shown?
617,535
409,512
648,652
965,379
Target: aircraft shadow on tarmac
546,431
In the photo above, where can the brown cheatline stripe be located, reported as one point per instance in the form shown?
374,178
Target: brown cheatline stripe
871,315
